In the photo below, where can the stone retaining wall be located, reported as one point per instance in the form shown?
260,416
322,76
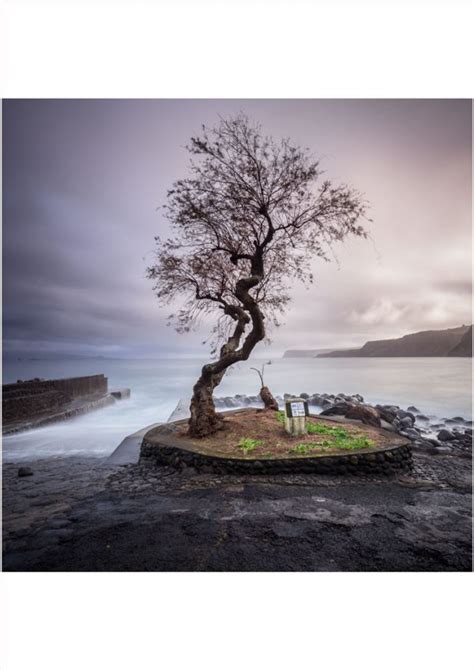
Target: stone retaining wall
387,461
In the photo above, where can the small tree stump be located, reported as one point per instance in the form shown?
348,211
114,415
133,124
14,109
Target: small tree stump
267,399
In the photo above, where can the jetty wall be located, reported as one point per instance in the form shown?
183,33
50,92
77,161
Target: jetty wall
27,399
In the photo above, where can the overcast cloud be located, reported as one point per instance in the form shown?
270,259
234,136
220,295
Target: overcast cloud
82,181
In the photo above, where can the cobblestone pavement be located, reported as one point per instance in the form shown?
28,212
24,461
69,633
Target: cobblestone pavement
84,514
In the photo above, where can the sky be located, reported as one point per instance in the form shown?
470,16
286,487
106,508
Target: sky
83,182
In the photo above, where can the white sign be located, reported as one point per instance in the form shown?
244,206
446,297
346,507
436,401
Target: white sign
297,409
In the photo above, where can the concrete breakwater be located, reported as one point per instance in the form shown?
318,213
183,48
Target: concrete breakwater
29,404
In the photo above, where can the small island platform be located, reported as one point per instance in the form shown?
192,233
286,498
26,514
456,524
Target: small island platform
253,441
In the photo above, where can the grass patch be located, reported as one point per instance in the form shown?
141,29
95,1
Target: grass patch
344,443
319,429
247,444
302,449
280,417
353,443
337,438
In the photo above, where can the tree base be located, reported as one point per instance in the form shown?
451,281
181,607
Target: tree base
267,399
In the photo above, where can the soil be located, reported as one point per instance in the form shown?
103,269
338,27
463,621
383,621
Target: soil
275,442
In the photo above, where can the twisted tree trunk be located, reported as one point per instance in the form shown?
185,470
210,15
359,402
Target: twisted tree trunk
204,419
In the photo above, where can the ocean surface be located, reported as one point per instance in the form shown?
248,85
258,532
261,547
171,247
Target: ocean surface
438,387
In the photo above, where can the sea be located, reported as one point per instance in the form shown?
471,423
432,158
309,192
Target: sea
437,387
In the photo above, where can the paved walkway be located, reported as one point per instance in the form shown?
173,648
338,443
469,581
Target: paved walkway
91,514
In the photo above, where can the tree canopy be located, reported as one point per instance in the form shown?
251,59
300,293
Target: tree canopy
246,223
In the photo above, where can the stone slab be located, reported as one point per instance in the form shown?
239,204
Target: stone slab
128,451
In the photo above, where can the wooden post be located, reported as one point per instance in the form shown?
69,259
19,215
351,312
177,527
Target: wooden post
296,411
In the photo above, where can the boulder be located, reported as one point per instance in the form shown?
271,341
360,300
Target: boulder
25,472
412,408
402,415
445,436
407,422
411,433
387,426
443,450
339,408
386,414
231,402
364,413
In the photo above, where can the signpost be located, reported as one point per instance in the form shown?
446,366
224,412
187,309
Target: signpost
296,411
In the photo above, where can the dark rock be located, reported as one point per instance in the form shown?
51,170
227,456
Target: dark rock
403,415
407,422
443,450
340,408
25,472
422,417
386,414
411,433
412,408
445,435
459,419
364,413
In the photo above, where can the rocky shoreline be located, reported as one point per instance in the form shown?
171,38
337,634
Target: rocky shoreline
82,514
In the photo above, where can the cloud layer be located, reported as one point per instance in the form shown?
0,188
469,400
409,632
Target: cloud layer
83,179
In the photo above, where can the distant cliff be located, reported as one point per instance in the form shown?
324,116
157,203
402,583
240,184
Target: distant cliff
449,342
304,353
464,346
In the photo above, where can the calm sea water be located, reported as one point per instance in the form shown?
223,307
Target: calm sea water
439,387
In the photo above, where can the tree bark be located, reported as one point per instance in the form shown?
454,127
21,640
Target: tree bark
204,419
267,398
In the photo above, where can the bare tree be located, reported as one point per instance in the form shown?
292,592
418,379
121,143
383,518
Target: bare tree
246,222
